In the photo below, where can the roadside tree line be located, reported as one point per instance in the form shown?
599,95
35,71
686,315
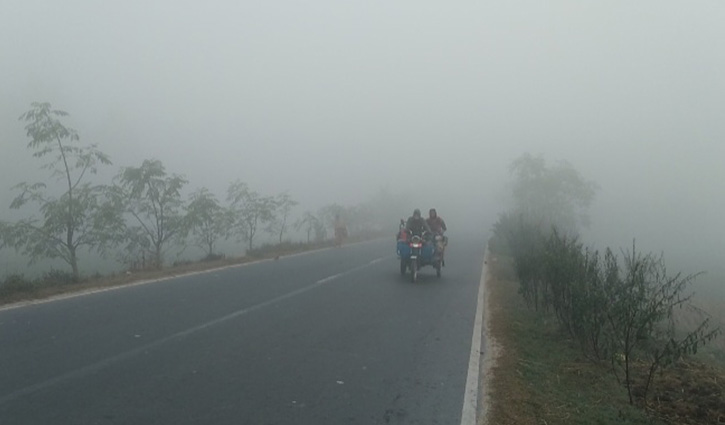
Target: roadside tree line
143,213
620,309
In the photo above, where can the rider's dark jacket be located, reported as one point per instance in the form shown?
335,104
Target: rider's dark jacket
417,225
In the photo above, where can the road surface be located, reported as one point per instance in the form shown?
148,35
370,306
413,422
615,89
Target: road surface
328,337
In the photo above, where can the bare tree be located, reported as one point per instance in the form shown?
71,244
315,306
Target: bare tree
206,220
283,205
311,224
249,210
551,195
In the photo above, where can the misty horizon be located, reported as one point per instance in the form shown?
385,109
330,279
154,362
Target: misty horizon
333,102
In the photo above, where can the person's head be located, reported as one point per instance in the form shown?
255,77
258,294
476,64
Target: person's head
432,213
416,213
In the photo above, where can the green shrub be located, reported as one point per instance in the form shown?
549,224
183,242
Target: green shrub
179,263
213,257
14,284
56,278
621,313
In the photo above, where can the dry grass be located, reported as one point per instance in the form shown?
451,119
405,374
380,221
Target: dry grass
691,393
510,395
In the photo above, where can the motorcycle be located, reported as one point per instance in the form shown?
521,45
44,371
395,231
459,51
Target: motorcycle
416,251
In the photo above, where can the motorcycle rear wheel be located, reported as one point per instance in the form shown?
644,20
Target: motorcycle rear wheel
403,267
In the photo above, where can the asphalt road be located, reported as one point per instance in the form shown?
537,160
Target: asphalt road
330,337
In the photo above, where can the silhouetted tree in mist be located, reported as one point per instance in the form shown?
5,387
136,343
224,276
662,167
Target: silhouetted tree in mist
82,215
249,210
153,198
555,195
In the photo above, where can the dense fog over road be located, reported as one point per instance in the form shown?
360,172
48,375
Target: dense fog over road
332,101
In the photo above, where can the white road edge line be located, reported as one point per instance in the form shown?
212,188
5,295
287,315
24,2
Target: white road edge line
85,370
470,396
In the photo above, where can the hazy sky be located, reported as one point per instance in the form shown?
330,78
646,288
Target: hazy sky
333,99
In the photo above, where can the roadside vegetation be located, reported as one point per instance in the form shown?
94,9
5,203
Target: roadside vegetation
592,337
145,213
540,376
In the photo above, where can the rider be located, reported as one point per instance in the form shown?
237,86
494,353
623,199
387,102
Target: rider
438,226
436,223
340,230
416,224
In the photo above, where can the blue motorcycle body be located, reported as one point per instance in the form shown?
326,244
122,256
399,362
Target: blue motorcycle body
415,252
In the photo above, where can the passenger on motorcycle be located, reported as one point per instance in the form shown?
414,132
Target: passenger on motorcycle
438,226
402,232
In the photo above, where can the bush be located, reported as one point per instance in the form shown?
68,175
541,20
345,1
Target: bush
56,278
623,314
640,314
179,263
14,284
213,257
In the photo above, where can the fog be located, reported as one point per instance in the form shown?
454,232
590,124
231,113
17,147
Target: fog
334,100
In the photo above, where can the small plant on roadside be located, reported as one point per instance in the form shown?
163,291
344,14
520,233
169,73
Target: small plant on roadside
56,277
16,283
575,280
213,257
642,302
525,241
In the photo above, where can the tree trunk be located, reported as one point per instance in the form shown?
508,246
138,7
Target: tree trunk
282,228
70,222
74,264
252,232
157,257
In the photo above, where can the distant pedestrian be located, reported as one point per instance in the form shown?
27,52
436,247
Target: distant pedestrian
340,230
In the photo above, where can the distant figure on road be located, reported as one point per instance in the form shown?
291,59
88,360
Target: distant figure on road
340,230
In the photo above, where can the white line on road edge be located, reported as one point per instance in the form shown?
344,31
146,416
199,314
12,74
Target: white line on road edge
86,370
470,397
